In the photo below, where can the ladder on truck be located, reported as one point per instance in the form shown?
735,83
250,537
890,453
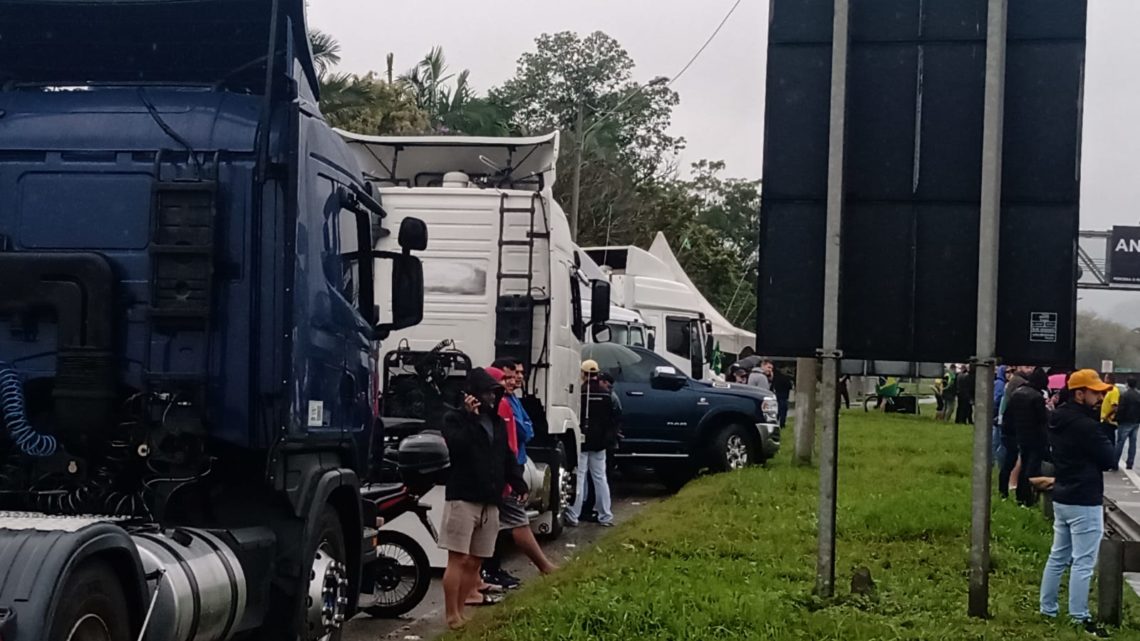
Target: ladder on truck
514,311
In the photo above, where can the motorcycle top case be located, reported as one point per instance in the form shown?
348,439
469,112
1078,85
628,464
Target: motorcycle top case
423,460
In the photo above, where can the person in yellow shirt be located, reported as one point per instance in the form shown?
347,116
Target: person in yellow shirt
1111,401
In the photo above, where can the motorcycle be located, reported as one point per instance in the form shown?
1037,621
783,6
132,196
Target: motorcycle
399,578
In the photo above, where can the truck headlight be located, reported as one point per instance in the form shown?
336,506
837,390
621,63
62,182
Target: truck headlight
770,409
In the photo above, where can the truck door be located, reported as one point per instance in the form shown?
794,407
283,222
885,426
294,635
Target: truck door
654,421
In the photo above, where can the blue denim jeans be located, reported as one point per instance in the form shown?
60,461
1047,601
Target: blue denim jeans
594,464
999,449
1126,432
1077,531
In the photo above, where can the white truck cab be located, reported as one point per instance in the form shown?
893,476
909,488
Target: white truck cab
643,283
500,275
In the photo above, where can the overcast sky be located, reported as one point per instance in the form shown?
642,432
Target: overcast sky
722,95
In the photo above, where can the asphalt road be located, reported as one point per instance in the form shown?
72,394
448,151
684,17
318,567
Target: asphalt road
426,621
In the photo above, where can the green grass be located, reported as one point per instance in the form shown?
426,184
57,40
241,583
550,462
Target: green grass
733,556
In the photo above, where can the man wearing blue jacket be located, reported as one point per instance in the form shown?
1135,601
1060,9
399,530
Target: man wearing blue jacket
1082,451
515,529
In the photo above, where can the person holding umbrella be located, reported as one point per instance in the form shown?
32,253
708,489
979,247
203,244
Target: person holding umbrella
599,425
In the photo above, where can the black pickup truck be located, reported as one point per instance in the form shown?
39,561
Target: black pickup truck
677,425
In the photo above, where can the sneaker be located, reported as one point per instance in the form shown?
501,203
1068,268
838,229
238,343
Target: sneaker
1090,627
503,579
606,523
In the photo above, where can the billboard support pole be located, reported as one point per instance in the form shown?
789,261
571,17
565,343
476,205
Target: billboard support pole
985,358
807,375
829,353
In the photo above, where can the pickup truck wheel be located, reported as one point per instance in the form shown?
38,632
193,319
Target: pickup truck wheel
326,596
92,606
733,449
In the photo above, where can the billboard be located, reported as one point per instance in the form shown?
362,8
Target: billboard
913,180
1124,255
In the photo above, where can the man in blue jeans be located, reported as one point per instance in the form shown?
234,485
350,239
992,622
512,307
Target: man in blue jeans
1128,419
1082,451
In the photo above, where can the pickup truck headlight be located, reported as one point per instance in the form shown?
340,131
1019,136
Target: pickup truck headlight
770,409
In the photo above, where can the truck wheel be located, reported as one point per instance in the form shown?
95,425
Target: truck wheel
92,606
561,492
733,449
403,576
326,598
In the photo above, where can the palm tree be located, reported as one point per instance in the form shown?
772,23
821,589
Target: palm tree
428,80
326,51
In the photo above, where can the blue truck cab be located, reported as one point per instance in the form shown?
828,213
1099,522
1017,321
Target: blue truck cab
189,326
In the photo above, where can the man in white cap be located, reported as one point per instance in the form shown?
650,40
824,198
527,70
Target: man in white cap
599,427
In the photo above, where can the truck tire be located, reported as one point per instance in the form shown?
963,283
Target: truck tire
397,549
326,587
561,482
733,449
92,606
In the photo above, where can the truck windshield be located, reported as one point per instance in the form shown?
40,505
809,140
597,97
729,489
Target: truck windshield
187,42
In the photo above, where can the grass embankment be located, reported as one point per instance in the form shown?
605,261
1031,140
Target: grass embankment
733,556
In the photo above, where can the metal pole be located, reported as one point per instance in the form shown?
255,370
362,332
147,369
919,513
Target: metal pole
807,375
1110,581
575,191
829,354
986,357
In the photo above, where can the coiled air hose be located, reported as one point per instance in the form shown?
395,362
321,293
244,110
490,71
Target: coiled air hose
15,415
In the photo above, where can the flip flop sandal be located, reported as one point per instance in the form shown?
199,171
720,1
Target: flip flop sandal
492,589
488,599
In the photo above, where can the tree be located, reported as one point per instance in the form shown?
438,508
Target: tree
1100,339
566,74
326,51
369,105
363,104
428,79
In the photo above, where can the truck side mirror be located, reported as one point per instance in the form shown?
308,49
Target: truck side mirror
667,378
407,277
407,292
413,235
599,302
602,333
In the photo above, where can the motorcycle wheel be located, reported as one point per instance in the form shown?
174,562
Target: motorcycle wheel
403,576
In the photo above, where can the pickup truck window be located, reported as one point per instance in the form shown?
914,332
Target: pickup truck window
677,330
634,367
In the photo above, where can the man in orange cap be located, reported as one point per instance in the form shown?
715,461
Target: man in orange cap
1082,452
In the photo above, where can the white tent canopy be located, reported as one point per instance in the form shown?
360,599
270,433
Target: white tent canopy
732,339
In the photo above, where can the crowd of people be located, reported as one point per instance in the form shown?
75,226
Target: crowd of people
1060,433
1053,432
758,371
486,494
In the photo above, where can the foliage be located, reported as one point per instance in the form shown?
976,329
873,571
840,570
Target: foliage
326,51
1100,339
629,187
567,74
728,220
368,105
732,557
